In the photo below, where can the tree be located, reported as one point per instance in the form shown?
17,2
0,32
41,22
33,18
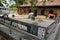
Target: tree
33,4
20,2
0,1
17,4
4,2
44,2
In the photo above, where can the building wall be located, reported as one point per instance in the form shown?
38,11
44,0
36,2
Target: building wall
23,11
55,10
26,11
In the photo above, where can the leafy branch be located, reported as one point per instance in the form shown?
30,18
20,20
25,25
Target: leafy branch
33,4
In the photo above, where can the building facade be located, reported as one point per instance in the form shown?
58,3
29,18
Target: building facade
50,6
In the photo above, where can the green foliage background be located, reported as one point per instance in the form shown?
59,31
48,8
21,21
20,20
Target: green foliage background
0,1
32,2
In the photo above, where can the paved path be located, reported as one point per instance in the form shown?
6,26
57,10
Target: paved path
55,34
58,34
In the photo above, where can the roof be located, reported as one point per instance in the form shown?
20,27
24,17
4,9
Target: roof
48,3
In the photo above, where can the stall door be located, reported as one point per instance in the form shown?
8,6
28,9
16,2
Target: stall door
42,12
35,13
